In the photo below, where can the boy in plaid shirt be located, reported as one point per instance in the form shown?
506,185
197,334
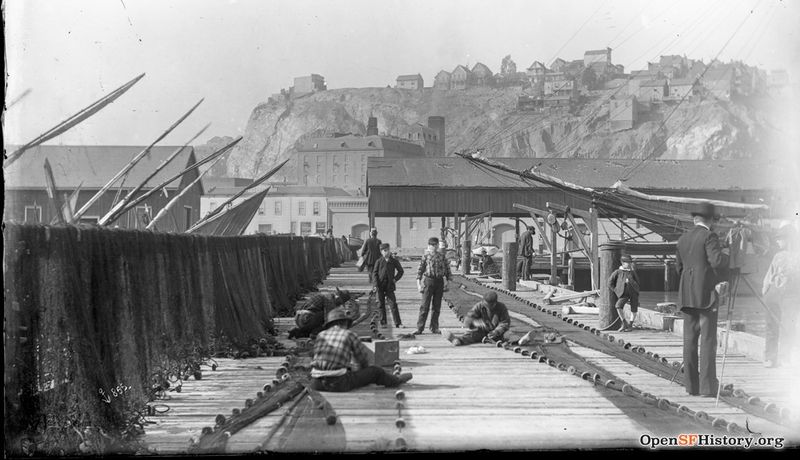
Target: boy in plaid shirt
432,278
335,348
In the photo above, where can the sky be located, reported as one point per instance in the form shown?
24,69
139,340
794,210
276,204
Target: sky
63,55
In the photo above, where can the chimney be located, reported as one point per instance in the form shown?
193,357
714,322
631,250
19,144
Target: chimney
436,123
372,126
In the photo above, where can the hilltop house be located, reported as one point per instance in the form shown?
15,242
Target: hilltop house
410,82
308,84
442,80
481,75
460,77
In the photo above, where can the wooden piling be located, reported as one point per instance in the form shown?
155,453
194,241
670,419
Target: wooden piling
610,255
510,265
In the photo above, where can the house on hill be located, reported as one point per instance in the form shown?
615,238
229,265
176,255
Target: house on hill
481,75
308,84
410,82
442,80
557,65
653,90
460,77
592,57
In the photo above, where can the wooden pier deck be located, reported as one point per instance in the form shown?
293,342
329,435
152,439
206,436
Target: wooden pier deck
467,398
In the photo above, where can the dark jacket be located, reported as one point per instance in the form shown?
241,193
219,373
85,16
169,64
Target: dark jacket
526,244
386,273
617,281
371,251
699,255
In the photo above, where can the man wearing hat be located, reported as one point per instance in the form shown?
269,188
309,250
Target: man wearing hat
371,251
433,275
698,257
335,348
385,275
780,293
625,283
487,318
310,315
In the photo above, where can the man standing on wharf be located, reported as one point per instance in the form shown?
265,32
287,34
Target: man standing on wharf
371,252
699,255
432,278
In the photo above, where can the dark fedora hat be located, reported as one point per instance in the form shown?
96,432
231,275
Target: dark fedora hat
704,209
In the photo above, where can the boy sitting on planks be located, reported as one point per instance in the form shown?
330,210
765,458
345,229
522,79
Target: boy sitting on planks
310,315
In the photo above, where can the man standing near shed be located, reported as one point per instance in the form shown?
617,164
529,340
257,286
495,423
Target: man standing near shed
698,257
371,252
432,278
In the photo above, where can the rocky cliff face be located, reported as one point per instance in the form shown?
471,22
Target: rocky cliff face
488,118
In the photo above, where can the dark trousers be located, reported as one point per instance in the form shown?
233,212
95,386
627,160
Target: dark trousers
355,379
700,376
382,296
369,269
628,296
433,289
524,268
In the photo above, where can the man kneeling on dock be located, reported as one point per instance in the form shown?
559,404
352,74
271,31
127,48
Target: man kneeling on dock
310,315
334,349
488,318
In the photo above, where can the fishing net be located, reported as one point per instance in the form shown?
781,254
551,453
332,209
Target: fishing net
100,322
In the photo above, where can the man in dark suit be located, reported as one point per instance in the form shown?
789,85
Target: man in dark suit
385,275
371,251
527,252
698,257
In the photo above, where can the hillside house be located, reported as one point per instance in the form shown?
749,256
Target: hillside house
308,84
442,80
460,77
653,90
623,113
559,84
597,57
557,65
482,75
410,82
681,87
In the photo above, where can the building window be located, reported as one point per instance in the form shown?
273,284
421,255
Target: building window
262,209
316,208
305,228
293,229
187,216
318,182
265,228
430,222
333,179
33,214
142,216
278,208
412,224
301,208
320,228
212,205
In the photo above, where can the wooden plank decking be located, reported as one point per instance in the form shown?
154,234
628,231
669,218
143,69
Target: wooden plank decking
465,398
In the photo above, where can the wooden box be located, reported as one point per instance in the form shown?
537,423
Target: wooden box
386,352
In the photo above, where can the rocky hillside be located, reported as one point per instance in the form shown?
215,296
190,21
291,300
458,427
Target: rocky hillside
488,118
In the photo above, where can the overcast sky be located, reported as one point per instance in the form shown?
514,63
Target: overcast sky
235,53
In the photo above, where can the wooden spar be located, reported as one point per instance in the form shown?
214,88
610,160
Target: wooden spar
255,183
52,192
129,196
68,209
590,251
67,124
179,195
625,190
130,205
133,162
